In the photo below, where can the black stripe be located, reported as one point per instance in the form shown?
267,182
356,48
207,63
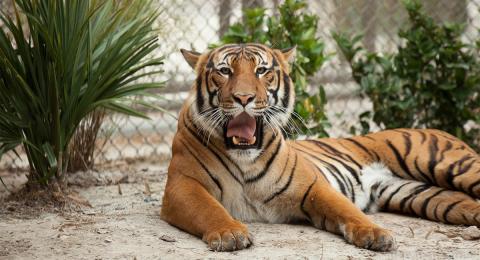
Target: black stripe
323,174
448,209
285,187
463,170
267,166
442,157
195,132
442,153
377,156
210,63
274,61
424,175
232,53
361,146
323,223
417,191
371,198
386,205
353,190
433,150
256,53
211,94
340,184
336,152
286,89
449,175
447,136
199,94
256,46
424,136
400,160
380,192
274,92
266,146
247,201
233,46
435,212
302,204
472,186
284,169
423,212
408,144
214,179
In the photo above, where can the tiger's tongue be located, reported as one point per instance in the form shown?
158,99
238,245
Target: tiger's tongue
242,126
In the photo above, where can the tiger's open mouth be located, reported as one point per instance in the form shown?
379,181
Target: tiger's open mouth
243,132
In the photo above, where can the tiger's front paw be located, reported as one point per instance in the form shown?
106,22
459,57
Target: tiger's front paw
229,237
369,237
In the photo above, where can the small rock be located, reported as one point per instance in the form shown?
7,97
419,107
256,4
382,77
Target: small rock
102,231
457,240
471,233
89,212
167,238
149,199
62,236
108,240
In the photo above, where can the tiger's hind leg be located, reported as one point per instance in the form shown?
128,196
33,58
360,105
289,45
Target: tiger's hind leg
429,202
452,164
430,156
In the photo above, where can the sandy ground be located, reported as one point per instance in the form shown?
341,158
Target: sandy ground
124,223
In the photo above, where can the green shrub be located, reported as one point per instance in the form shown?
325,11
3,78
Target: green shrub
293,27
78,56
433,81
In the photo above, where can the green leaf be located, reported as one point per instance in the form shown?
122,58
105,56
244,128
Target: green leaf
50,154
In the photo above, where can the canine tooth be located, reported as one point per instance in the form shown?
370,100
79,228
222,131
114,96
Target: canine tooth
253,140
235,140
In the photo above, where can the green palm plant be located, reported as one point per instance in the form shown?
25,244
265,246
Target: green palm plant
62,59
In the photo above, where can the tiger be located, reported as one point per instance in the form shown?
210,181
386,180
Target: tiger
232,162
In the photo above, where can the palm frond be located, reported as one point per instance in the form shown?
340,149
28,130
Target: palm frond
62,59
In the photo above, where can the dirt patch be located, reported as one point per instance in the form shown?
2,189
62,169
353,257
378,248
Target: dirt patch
124,223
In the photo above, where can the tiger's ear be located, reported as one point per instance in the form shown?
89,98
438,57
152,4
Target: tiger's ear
289,53
191,57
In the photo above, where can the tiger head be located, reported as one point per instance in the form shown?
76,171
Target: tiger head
242,92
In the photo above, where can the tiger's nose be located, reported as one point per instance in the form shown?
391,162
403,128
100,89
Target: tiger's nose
243,98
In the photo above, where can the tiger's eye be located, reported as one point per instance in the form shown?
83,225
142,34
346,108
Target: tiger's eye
225,71
261,70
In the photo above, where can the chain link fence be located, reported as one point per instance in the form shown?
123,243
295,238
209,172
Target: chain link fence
195,24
